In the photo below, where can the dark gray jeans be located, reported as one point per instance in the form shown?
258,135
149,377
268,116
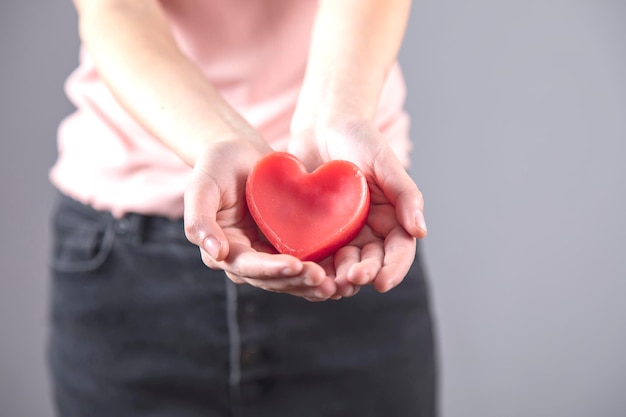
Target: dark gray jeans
140,327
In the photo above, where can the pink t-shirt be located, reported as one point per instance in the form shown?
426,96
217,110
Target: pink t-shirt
254,53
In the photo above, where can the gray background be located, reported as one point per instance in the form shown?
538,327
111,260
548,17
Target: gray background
519,119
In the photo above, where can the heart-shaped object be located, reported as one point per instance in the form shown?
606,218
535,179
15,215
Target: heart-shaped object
307,215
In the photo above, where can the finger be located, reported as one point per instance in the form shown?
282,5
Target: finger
245,262
236,279
308,293
323,292
301,285
314,300
365,271
399,254
401,191
328,266
309,277
344,288
344,259
202,202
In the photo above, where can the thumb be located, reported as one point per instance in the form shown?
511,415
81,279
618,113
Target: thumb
202,202
402,192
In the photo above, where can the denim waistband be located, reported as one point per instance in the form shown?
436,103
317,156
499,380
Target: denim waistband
134,227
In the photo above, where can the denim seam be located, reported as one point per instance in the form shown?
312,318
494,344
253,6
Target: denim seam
234,338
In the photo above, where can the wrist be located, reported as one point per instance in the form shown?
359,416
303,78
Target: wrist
332,123
334,102
221,130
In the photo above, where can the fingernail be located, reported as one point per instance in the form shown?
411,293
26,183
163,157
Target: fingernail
311,281
287,271
320,294
212,246
421,223
353,290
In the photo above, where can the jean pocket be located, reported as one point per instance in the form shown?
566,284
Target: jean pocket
81,242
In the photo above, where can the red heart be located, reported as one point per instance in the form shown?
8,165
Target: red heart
307,215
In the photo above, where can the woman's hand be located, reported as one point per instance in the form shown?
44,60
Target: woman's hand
383,251
217,220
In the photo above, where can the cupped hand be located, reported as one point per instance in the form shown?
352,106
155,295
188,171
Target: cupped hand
384,250
217,220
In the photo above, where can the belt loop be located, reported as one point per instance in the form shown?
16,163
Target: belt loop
133,227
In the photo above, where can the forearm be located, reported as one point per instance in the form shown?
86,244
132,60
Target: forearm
354,44
137,57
